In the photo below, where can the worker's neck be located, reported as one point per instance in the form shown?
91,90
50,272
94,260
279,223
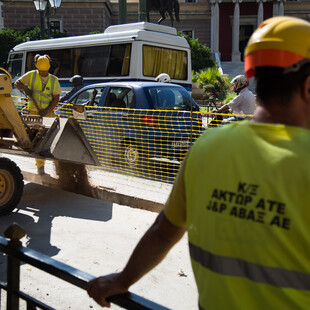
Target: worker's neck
291,115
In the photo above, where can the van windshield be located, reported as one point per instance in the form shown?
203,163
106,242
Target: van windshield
170,98
15,65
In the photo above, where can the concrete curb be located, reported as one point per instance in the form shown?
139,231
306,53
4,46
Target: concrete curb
99,192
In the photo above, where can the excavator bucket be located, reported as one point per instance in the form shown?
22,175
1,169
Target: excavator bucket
65,141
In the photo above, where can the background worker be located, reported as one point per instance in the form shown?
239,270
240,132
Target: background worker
248,226
77,83
43,90
242,104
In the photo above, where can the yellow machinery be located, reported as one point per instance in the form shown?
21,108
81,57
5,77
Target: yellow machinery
34,136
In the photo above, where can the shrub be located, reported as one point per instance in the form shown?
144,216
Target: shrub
194,77
215,85
8,39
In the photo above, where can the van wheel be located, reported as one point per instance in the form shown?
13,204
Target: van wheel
132,155
11,185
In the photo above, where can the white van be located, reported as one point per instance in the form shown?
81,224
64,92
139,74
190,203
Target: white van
132,52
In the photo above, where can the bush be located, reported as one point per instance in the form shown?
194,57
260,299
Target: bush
8,39
215,85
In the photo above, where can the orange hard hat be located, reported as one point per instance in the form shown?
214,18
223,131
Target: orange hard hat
278,42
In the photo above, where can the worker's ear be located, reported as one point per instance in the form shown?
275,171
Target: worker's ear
305,90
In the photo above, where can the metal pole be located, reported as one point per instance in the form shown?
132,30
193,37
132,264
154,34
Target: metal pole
122,12
142,10
13,277
15,233
48,21
42,25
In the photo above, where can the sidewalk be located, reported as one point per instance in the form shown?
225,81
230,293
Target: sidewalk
97,237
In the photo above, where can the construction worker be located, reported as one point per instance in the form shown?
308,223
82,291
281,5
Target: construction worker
242,104
247,216
43,90
77,83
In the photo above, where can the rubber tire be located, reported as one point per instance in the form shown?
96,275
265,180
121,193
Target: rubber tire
11,185
132,155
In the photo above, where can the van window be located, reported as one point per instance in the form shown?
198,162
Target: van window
157,60
15,65
92,61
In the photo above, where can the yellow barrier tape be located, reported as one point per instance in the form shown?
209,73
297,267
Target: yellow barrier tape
139,144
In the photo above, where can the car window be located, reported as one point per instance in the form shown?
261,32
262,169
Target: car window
119,97
169,98
89,96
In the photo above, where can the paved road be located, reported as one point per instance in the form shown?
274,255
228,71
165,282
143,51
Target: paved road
97,237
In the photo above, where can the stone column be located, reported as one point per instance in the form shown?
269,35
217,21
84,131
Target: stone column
235,55
215,25
281,7
275,9
1,16
260,12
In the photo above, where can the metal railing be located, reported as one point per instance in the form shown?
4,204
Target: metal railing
16,253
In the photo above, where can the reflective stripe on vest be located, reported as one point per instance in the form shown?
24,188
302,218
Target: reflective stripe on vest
231,266
43,98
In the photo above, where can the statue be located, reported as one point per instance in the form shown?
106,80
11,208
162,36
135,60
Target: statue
164,7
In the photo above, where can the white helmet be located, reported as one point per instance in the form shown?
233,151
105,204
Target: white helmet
239,82
163,78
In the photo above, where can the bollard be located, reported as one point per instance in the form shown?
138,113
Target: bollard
14,233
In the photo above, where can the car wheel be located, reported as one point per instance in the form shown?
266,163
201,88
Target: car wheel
132,155
11,185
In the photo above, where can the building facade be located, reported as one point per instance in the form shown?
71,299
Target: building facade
223,25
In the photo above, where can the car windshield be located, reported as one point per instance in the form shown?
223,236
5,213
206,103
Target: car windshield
167,98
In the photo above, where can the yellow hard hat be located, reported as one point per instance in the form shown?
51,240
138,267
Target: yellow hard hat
42,62
278,42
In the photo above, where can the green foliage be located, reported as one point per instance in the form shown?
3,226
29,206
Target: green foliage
229,96
194,77
215,85
33,33
201,54
95,32
10,37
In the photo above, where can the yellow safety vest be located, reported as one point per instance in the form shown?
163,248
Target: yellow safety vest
44,96
248,219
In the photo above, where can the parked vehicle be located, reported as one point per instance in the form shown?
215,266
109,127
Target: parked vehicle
127,52
127,122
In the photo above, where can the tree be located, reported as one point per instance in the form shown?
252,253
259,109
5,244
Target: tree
201,54
8,39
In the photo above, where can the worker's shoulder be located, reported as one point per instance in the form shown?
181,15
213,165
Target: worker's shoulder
53,76
223,134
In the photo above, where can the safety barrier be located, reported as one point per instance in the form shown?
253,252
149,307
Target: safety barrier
16,253
143,144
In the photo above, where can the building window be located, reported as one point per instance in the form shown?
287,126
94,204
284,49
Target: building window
55,26
189,33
